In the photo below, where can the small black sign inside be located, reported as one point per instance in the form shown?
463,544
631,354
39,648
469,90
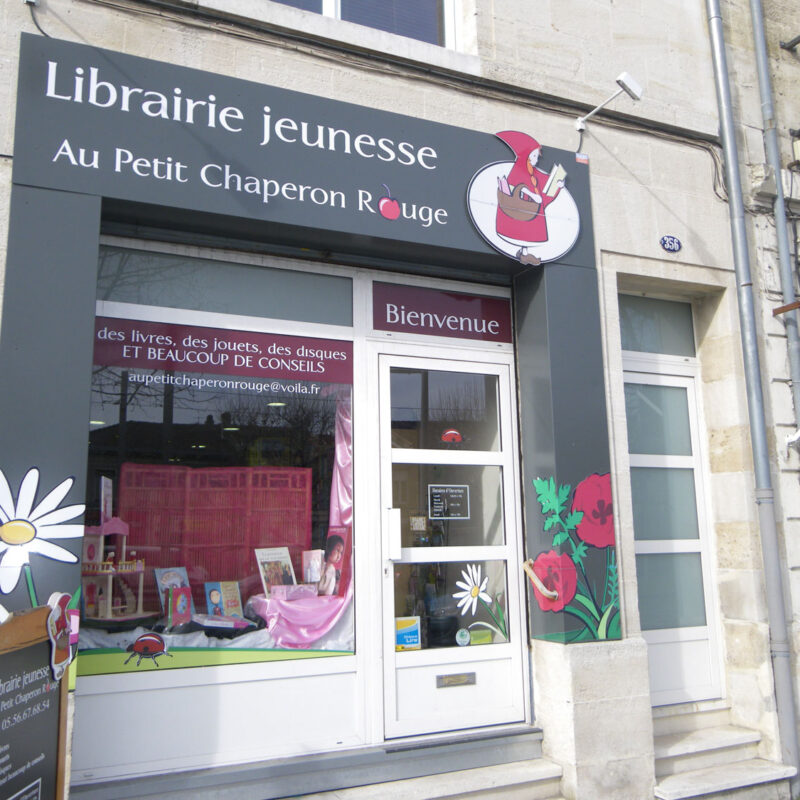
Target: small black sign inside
448,502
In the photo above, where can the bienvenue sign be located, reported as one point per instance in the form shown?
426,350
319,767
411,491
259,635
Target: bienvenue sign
432,312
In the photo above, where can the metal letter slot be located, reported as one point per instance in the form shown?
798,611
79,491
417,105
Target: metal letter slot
456,679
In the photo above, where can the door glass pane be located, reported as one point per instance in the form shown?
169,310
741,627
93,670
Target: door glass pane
664,503
656,326
418,19
444,410
658,420
451,604
670,590
449,506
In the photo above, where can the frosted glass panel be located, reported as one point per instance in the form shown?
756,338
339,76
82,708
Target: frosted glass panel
656,326
658,420
664,503
201,284
670,590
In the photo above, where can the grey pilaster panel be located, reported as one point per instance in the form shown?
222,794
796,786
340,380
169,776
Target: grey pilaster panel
46,357
563,423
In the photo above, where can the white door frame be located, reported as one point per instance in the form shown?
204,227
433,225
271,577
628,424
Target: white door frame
493,664
687,651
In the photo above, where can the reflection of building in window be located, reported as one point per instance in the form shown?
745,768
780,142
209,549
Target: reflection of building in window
242,438
428,405
425,20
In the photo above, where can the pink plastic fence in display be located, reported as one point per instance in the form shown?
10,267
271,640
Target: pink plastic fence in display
210,520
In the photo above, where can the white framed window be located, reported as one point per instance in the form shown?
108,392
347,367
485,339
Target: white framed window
431,21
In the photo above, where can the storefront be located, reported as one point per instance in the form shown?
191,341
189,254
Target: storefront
333,404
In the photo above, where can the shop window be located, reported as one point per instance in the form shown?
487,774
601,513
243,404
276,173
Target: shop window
219,507
424,20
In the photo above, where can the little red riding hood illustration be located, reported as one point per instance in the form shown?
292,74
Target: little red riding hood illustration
523,196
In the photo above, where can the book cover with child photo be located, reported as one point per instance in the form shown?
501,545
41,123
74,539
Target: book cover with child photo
223,599
275,567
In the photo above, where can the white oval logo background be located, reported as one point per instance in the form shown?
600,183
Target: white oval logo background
563,220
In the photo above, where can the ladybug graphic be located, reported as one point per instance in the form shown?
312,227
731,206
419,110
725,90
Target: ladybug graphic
148,645
452,435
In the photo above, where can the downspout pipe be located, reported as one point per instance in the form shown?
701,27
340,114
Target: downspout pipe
779,209
764,495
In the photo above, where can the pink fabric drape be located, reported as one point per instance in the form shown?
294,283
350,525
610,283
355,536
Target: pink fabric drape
301,623
342,481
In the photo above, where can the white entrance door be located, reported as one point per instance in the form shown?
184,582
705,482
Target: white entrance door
452,620
670,529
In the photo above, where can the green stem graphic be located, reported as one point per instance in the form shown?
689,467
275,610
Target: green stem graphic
500,612
602,628
585,601
610,578
491,614
75,602
585,581
576,612
31,587
488,625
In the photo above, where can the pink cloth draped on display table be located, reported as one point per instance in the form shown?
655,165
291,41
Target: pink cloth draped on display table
301,623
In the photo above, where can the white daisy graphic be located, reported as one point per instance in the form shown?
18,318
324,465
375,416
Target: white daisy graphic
474,589
25,529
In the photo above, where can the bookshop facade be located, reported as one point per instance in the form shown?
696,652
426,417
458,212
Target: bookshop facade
314,347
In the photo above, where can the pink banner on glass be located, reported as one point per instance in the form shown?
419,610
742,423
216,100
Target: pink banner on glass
413,309
188,348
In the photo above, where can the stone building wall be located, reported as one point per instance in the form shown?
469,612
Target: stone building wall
781,23
653,170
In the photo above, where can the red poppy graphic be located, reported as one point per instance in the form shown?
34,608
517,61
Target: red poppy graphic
593,497
452,435
558,574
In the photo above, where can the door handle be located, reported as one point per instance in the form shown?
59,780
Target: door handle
393,540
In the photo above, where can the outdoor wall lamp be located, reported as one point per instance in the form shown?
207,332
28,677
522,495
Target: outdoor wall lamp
791,44
627,83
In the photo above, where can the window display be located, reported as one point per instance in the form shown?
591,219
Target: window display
219,508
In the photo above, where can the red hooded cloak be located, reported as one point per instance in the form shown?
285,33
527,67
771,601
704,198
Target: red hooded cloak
524,231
